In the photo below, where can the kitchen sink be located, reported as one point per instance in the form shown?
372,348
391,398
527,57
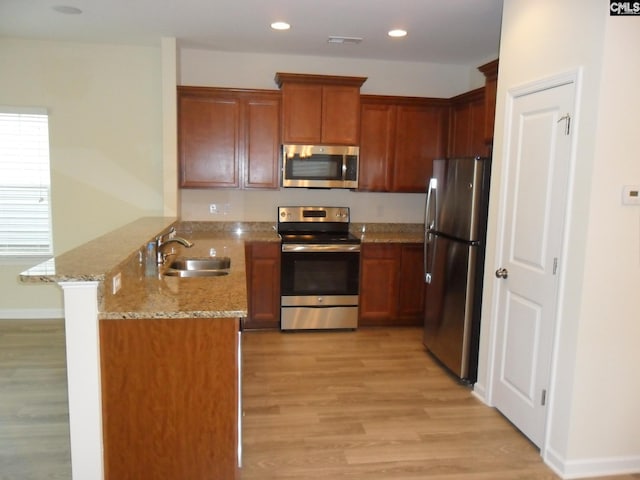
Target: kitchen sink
198,267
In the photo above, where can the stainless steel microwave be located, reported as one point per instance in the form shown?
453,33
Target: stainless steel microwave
320,166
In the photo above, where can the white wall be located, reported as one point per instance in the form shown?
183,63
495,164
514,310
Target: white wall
252,70
220,69
105,136
608,355
594,414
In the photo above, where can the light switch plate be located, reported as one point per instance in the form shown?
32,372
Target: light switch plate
631,195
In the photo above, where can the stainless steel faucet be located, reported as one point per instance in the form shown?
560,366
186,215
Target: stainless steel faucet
166,238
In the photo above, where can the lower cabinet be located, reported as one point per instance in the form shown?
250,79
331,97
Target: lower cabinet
391,284
170,398
262,260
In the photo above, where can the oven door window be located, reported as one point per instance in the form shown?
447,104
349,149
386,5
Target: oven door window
320,273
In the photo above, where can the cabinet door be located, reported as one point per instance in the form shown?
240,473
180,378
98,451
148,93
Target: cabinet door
263,284
340,114
208,133
301,113
466,133
478,140
261,141
377,133
460,132
490,71
420,138
411,290
378,284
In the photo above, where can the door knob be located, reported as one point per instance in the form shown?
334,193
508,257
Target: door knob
502,273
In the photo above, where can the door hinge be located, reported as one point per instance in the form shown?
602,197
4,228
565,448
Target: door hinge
543,398
555,265
567,129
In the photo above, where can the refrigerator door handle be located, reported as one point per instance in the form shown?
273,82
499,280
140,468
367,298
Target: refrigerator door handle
430,221
431,245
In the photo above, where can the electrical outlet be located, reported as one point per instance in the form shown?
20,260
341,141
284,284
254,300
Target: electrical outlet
213,209
116,283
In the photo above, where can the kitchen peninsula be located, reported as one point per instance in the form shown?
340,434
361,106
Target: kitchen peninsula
152,360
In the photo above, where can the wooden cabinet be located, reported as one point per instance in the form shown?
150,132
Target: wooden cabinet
400,138
170,391
377,143
320,109
467,125
228,138
391,285
411,284
490,71
378,284
263,285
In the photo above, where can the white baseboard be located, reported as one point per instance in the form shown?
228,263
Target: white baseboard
480,393
593,467
31,313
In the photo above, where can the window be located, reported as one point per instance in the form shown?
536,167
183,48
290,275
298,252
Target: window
25,214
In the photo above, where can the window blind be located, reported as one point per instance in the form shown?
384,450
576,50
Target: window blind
25,214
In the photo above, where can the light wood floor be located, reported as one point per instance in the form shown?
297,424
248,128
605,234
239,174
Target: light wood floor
367,405
34,411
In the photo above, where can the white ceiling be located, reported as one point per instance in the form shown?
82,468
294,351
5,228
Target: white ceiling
464,32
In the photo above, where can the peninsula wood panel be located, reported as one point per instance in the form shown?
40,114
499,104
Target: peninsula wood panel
169,394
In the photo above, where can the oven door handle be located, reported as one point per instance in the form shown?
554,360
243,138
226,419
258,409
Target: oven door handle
308,247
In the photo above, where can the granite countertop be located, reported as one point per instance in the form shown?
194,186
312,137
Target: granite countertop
155,295
388,232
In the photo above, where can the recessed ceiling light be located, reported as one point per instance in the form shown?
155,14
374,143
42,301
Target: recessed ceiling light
280,26
67,9
397,33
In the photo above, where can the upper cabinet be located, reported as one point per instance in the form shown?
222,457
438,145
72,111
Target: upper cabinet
320,109
467,125
400,138
228,137
490,71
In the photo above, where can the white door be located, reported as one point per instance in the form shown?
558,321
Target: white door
538,152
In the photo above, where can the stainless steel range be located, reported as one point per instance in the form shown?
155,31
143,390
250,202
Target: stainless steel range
320,269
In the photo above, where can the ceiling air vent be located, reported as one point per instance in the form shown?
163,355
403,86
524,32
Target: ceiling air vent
340,40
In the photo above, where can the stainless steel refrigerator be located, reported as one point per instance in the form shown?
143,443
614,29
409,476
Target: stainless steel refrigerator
455,232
